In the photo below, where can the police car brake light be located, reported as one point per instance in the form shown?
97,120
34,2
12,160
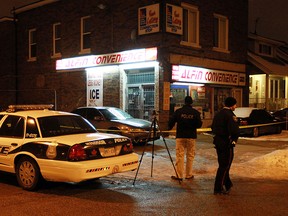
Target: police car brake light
77,152
13,108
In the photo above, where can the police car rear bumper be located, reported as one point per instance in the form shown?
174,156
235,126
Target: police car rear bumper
66,171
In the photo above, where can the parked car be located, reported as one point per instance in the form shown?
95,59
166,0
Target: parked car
40,144
115,120
256,122
282,115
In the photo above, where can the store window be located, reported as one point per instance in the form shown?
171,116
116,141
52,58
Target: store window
32,45
221,32
56,39
86,34
190,25
200,94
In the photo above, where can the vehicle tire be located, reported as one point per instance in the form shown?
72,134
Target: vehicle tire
279,129
255,132
28,173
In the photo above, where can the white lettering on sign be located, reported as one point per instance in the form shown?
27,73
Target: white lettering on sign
202,75
138,55
94,88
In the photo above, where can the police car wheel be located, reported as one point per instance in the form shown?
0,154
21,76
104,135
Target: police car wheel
28,173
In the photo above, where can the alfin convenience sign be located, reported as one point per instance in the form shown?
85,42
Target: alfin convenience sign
130,56
203,75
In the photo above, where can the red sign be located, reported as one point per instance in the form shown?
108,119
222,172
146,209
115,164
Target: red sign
203,75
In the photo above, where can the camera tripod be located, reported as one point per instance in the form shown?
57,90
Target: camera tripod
153,130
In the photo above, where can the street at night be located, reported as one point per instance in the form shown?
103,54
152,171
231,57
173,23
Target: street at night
259,174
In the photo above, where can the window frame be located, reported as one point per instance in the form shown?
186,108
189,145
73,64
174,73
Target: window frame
262,49
190,21
56,39
32,43
222,43
84,34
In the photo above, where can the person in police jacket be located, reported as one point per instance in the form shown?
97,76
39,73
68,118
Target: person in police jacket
188,120
226,131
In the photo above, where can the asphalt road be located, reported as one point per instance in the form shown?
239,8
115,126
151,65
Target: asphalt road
157,194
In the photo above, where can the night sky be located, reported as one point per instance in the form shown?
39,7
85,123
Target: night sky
272,16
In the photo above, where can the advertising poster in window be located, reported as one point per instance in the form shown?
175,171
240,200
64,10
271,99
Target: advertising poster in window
174,19
94,88
148,19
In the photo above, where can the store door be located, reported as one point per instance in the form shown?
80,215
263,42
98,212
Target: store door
140,88
140,101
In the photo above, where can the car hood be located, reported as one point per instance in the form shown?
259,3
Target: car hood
134,122
86,138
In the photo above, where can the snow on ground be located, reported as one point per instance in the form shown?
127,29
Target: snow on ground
249,161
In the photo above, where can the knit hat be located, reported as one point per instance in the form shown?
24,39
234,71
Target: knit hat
230,101
188,100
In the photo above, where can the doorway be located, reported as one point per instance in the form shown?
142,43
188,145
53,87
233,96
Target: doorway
141,92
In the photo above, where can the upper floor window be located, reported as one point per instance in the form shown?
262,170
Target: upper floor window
56,39
32,45
85,34
190,25
265,49
221,32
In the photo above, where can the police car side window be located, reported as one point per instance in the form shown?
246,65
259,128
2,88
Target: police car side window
31,128
13,126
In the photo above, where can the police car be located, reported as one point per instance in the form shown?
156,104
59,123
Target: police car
37,143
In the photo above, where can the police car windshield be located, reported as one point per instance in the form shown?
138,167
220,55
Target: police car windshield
64,125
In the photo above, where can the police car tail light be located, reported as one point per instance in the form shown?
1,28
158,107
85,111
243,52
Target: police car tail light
77,153
128,147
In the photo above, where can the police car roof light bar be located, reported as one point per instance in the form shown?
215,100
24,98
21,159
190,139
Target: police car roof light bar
13,108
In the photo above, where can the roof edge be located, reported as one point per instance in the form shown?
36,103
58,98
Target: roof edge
33,5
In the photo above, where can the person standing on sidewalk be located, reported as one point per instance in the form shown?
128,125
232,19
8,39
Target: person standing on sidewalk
188,120
226,131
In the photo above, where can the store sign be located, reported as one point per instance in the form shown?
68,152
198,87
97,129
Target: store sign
94,88
174,19
148,19
131,56
182,73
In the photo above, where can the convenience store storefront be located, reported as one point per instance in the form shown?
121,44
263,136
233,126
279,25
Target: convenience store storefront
128,79
207,87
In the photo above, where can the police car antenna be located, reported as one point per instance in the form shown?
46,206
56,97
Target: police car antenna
153,129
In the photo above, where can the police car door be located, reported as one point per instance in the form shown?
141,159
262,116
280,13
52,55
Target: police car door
11,137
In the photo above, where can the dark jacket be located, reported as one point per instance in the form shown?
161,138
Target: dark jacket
188,120
225,127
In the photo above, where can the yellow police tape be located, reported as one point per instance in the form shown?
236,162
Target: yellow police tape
199,130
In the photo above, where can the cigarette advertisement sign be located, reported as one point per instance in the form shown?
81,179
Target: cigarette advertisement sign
148,19
174,19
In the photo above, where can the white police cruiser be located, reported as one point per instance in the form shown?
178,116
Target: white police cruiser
37,143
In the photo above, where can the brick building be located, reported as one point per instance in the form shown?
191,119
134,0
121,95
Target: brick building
136,55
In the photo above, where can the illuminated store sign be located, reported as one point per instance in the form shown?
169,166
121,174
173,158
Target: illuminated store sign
131,56
203,75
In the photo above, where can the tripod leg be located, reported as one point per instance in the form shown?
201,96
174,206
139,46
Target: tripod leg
161,134
154,134
140,161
